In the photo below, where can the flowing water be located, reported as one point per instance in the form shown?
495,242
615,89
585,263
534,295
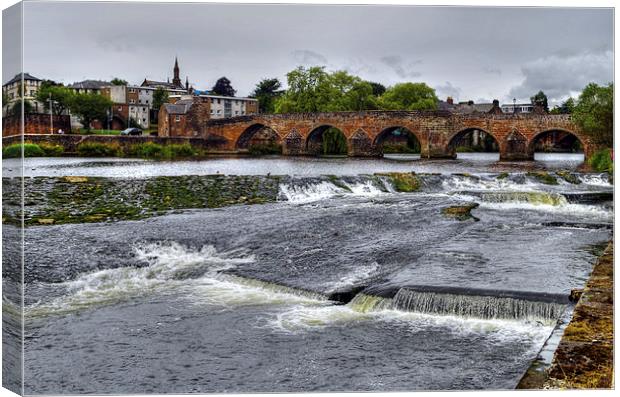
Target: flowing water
341,285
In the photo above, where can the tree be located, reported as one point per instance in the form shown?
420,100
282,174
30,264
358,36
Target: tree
89,106
16,109
5,100
315,90
160,96
565,108
594,113
117,81
377,88
61,97
267,91
409,96
222,87
540,99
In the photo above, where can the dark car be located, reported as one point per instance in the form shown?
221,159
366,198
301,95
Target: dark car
132,131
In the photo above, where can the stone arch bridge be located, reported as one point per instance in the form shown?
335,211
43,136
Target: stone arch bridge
437,131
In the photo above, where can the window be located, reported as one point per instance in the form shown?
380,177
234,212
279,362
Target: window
144,109
120,108
32,92
236,112
177,118
132,101
219,111
212,111
11,95
132,90
147,101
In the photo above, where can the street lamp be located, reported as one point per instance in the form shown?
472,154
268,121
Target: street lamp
514,105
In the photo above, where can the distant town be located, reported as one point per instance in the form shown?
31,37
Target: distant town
158,107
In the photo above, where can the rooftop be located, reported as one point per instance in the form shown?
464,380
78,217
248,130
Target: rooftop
90,84
18,78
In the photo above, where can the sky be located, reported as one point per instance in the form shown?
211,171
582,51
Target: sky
469,53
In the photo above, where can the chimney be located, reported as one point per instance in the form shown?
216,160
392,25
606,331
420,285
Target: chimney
450,100
496,109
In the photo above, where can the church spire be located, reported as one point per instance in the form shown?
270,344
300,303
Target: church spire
176,80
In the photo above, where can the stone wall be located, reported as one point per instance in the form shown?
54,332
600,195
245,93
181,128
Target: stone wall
35,123
70,142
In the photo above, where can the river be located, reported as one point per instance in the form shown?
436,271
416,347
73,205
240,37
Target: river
341,286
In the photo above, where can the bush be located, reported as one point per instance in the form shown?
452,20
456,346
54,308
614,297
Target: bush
152,150
601,161
30,150
265,149
95,149
51,149
182,150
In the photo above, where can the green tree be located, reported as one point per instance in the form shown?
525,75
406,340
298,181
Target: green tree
315,90
61,97
594,113
16,109
540,99
377,88
334,142
565,108
267,91
89,106
160,96
409,96
117,81
223,87
5,100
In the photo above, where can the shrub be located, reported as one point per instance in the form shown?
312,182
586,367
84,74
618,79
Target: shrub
51,149
264,149
601,161
30,150
152,150
96,149
182,150
147,150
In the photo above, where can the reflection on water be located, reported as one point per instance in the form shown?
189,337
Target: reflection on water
278,165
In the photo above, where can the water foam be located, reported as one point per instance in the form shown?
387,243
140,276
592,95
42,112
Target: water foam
595,179
170,266
307,193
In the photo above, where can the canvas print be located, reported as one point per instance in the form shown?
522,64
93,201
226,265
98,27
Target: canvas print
261,198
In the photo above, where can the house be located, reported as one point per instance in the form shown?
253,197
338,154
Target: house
89,86
520,108
31,86
464,107
184,117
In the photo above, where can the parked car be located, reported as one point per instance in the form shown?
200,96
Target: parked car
132,131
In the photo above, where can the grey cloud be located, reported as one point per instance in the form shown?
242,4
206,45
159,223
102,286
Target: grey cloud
559,76
448,90
309,58
248,42
400,67
492,70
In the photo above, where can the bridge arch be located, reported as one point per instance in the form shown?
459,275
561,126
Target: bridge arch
257,134
326,139
400,139
473,138
556,140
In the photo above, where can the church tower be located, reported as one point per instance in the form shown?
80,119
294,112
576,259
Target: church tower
176,80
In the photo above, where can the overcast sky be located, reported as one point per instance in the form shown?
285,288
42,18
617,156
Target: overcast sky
468,53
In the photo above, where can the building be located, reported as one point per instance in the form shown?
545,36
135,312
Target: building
221,107
31,86
520,108
89,86
464,107
176,83
184,117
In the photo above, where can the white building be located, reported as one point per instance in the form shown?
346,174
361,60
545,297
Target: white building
521,108
31,86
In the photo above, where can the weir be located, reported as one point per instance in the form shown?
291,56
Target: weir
464,302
